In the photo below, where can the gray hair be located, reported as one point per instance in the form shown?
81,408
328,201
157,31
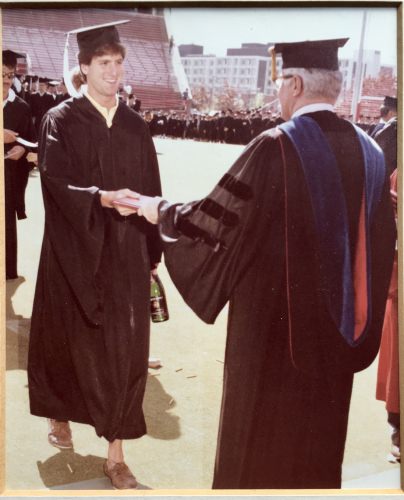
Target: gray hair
319,82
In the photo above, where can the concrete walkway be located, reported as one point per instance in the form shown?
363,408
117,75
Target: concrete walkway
182,400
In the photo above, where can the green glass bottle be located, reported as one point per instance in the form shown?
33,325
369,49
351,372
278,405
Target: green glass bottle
158,302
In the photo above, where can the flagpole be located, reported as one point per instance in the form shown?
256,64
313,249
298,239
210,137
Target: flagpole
358,73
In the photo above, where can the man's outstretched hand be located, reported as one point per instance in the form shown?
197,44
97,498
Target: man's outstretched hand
123,199
148,208
108,199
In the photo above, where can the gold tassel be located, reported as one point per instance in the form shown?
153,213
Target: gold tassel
272,53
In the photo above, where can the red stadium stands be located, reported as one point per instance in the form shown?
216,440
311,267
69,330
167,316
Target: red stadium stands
41,33
373,92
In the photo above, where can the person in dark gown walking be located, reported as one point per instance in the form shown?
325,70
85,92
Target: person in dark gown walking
18,123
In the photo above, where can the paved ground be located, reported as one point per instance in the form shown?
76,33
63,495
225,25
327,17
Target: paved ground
183,397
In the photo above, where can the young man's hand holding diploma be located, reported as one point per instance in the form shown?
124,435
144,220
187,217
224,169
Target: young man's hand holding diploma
128,202
116,199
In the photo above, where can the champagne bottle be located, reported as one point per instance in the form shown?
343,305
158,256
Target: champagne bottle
158,302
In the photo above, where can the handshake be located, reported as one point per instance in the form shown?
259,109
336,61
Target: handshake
128,202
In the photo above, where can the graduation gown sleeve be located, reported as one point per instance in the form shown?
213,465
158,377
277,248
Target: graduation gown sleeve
215,232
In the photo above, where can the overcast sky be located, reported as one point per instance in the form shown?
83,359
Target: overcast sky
220,28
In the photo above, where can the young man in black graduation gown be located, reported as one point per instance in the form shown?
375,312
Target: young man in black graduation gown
299,236
17,123
41,102
89,343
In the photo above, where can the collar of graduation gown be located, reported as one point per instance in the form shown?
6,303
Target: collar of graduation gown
10,98
392,120
85,106
107,114
347,291
313,108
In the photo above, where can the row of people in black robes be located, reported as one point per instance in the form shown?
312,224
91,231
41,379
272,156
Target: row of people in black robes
238,127
42,94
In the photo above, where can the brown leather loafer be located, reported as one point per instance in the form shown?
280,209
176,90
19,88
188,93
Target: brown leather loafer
60,434
121,477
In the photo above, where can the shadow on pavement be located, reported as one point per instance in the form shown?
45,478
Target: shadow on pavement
17,339
11,288
161,424
69,467
68,470
17,330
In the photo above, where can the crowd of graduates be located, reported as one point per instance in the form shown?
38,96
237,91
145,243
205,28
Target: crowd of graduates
238,127
225,126
41,94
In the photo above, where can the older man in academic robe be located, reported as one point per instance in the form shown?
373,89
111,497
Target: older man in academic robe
299,237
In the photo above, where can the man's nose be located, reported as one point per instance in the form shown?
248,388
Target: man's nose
115,69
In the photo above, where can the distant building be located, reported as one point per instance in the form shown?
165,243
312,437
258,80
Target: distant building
246,69
251,49
190,50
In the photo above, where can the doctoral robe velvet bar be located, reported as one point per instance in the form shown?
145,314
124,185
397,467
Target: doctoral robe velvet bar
89,340
284,417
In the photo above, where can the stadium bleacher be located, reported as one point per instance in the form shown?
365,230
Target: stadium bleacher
373,92
148,66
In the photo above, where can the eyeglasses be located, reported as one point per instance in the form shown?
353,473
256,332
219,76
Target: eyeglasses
278,81
10,76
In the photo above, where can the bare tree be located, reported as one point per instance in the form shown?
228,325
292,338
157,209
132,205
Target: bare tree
228,98
200,98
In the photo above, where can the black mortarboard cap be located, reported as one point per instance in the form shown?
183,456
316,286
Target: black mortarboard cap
390,102
89,38
92,37
43,80
10,57
320,54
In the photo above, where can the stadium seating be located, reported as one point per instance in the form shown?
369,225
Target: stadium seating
373,92
148,67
